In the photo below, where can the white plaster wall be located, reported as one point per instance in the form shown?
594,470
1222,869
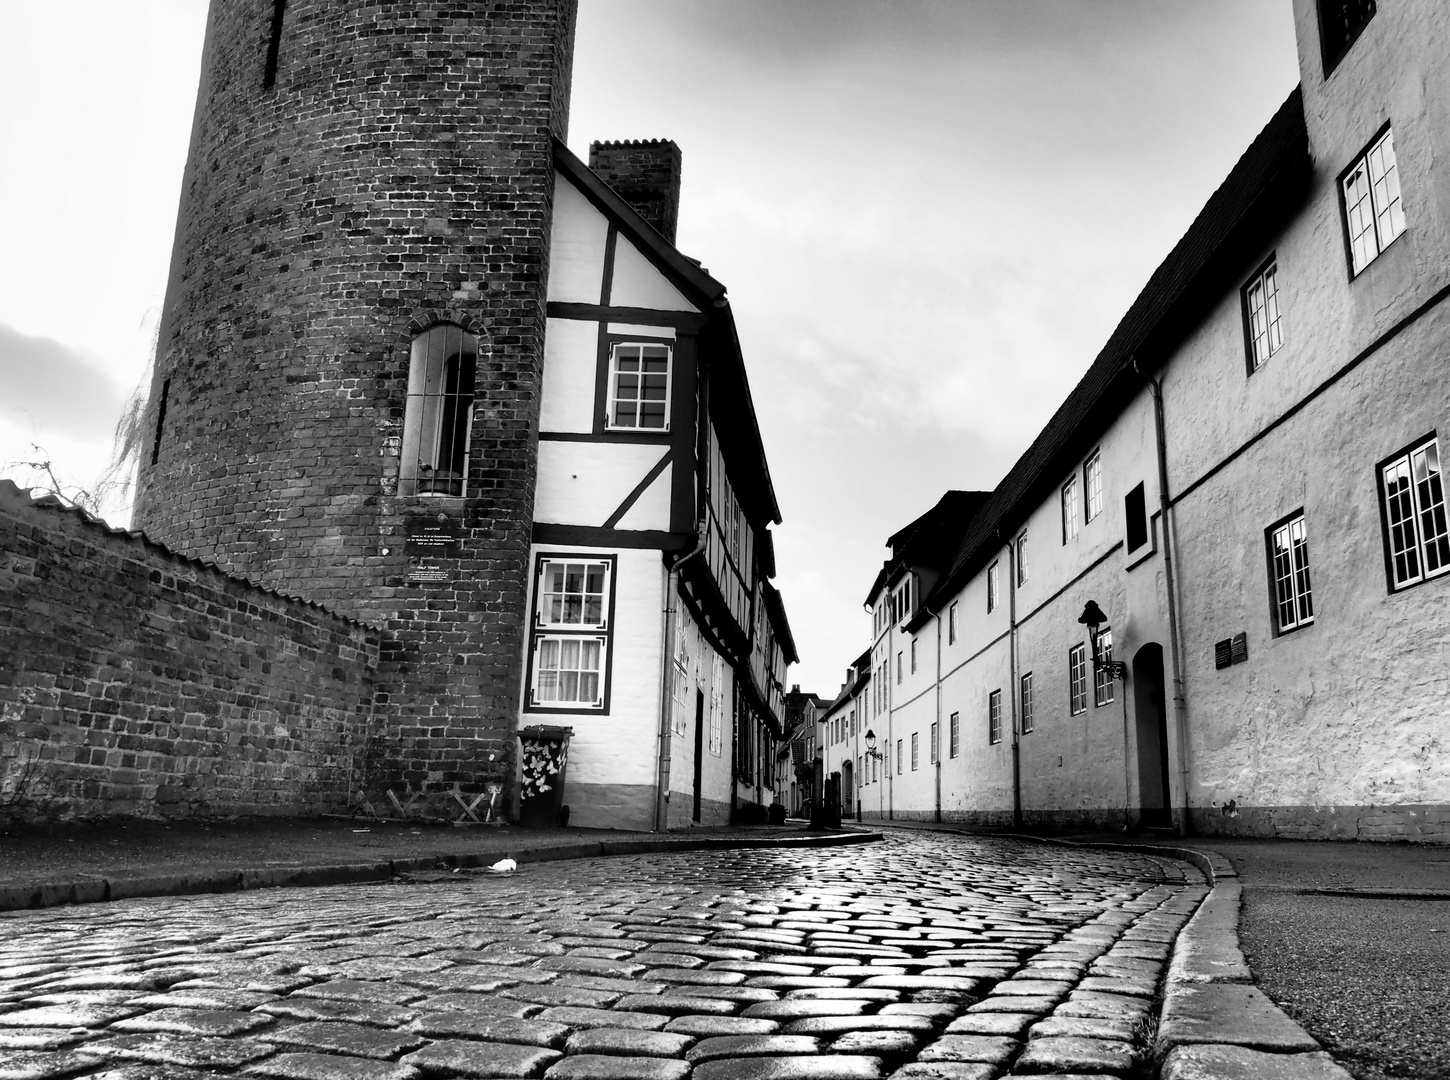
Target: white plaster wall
571,364
621,747
1351,710
652,509
638,284
715,769
583,483
576,253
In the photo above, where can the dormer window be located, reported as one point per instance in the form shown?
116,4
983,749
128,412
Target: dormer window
1340,24
901,601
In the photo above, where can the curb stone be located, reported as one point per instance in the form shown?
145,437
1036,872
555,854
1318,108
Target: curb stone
96,890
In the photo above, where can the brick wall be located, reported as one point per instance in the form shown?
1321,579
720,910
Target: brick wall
137,681
398,173
646,172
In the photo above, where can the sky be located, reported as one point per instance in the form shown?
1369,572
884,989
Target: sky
930,215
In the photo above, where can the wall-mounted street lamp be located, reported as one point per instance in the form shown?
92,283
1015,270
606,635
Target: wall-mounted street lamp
871,750
1092,617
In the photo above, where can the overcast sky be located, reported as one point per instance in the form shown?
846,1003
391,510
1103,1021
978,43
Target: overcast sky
929,215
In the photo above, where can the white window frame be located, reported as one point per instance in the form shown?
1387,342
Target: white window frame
898,757
915,751
934,745
542,644
1092,484
952,623
432,464
1077,668
1022,558
544,618
1291,592
1263,321
1070,526
614,399
913,656
993,586
717,705
1027,704
994,717
954,734
1102,675
1374,215
1415,515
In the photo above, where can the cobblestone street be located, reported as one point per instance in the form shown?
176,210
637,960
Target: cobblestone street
922,956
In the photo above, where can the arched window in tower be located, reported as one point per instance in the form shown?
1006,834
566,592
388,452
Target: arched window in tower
441,379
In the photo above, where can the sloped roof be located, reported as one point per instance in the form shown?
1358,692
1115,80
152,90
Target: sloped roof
930,540
1266,185
775,610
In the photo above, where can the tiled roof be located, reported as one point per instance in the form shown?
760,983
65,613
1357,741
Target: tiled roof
1263,189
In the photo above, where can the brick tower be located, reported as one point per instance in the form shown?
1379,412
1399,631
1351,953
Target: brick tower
361,248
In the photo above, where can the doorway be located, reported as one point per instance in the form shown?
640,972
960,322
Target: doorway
699,753
848,791
1150,708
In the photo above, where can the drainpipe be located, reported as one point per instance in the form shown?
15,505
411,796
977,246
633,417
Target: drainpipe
936,748
1180,700
1012,686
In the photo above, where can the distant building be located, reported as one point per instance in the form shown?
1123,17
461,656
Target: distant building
1211,594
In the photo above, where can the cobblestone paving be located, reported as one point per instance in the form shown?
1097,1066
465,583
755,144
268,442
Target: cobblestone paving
923,956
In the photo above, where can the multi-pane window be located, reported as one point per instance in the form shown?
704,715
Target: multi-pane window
1289,565
1092,479
1340,22
1372,210
1022,559
994,716
573,593
1261,311
717,705
442,373
1102,675
913,656
935,747
1069,509
571,641
1077,679
1026,703
952,624
569,671
639,387
992,587
898,757
915,751
1416,537
954,734
899,669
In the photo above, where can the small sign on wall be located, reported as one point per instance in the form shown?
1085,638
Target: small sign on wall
428,546
1230,651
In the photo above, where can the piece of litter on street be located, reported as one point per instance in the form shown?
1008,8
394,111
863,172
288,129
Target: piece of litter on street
504,866
362,830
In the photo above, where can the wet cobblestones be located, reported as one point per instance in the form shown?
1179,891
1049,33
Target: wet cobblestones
928,956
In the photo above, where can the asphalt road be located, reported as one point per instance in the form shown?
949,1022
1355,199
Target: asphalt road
923,956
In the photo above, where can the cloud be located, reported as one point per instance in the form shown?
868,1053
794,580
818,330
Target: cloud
53,388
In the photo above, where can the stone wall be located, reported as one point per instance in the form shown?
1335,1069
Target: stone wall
137,681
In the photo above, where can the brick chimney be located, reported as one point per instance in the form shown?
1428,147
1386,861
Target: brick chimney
646,173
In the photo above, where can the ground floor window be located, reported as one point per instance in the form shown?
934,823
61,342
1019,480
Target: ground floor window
569,671
1417,539
1077,679
994,716
1289,567
571,632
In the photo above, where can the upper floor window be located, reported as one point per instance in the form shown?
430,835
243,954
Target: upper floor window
954,734
898,757
1135,518
1077,679
1069,509
915,751
1026,704
913,656
994,716
639,387
1340,23
992,587
901,600
1417,542
1092,482
1289,566
898,667
1022,559
1261,315
1373,214
935,748
952,624
573,594
442,374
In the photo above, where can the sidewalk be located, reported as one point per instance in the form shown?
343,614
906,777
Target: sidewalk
82,863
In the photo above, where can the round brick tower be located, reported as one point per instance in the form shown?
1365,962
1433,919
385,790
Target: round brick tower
359,173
